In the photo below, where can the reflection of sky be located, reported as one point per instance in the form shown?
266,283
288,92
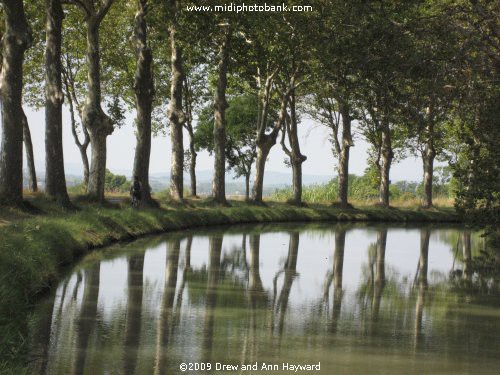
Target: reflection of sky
314,263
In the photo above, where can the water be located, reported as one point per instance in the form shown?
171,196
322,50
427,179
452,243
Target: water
350,299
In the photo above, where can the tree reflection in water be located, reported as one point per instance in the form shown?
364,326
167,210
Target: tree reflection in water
257,301
167,301
214,258
290,273
135,278
338,265
233,304
379,282
421,278
87,317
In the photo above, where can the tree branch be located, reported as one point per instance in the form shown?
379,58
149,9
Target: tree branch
103,10
80,4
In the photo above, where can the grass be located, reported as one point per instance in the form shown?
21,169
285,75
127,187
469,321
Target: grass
39,242
362,192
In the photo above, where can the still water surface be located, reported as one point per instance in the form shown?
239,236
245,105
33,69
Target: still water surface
355,299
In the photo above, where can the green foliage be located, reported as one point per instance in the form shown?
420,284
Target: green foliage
116,183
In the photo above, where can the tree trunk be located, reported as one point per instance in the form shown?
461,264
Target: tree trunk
189,126
428,163
220,106
55,178
343,157
86,167
297,181
16,39
144,91
260,165
97,166
98,124
247,186
192,164
428,156
177,119
30,158
294,154
385,167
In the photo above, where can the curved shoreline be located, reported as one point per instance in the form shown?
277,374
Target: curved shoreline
35,250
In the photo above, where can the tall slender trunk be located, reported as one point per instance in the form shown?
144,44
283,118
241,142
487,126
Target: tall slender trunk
260,165
97,166
220,106
192,164
144,91
176,117
247,186
297,157
30,158
428,155
428,163
55,178
297,182
343,157
15,41
98,124
189,126
294,154
86,167
386,156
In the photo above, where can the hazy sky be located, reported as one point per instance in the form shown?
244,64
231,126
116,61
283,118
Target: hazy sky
121,145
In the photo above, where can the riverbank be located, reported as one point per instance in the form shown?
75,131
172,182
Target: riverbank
37,245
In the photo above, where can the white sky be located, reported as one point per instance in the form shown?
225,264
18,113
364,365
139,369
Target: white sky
121,146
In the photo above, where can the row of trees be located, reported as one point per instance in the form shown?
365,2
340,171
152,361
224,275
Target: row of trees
418,77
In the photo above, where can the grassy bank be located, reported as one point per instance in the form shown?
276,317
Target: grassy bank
37,245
